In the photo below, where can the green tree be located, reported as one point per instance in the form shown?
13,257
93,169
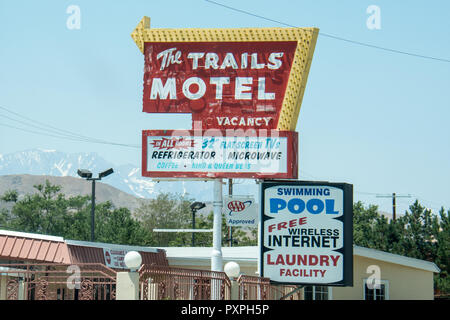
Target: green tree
167,211
363,222
48,211
427,237
417,234
241,236
441,232
116,225
10,196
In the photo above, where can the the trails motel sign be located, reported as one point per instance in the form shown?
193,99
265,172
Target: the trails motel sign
237,83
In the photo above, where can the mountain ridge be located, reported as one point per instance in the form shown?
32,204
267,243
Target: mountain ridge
126,177
70,186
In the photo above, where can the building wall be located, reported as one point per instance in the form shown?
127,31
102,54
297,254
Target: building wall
404,283
249,270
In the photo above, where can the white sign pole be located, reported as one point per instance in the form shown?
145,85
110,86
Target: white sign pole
258,271
216,255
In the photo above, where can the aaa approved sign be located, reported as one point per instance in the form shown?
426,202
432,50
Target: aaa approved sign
306,233
240,211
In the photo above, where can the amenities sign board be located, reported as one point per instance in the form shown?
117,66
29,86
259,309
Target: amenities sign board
189,153
306,232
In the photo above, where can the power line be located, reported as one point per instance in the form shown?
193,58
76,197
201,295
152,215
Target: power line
44,124
55,132
36,132
332,36
58,135
62,131
69,138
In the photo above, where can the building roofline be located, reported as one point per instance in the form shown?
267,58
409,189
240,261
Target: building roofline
395,258
238,254
110,246
31,235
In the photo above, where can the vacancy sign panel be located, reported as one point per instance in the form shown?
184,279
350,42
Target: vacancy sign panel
306,235
185,154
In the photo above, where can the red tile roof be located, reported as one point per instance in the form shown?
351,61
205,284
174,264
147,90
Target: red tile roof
41,248
15,247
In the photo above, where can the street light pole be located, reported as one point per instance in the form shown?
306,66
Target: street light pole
93,211
193,227
86,174
194,208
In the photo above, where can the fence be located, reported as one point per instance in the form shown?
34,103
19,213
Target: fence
167,283
253,288
257,288
57,282
98,282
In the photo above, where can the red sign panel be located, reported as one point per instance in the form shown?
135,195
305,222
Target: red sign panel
225,85
212,154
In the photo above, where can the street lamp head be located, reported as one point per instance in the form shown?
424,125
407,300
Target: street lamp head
197,206
133,260
105,173
232,269
83,173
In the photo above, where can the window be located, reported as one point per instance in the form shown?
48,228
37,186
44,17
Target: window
317,293
376,292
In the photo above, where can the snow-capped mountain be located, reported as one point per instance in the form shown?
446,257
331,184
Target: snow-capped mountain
54,163
126,178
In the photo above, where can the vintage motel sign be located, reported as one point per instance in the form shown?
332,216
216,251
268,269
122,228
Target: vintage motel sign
306,232
227,78
243,87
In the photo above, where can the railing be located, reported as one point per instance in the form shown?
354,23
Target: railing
166,283
98,282
285,292
253,288
57,282
257,288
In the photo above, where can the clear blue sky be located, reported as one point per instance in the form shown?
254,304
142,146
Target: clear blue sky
372,118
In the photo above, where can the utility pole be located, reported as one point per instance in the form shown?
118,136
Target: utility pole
394,206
